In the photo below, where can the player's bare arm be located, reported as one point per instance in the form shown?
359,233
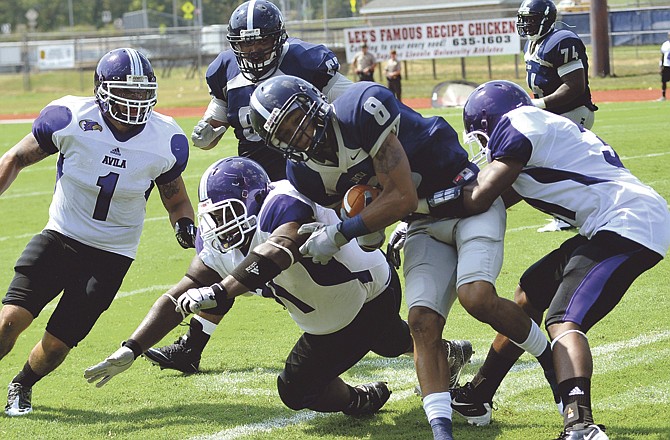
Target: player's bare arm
491,183
399,198
162,317
574,84
26,152
175,200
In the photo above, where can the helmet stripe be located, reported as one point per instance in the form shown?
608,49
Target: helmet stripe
250,14
135,62
256,105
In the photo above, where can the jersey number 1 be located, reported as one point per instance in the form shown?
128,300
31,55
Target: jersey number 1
107,186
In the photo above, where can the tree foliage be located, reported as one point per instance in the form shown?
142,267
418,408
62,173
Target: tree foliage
54,15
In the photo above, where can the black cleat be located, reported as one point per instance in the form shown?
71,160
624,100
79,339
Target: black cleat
371,398
463,402
177,356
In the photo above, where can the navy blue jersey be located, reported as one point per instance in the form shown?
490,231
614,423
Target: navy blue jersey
314,63
363,117
558,53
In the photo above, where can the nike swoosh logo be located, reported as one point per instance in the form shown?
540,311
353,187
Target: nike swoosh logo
355,155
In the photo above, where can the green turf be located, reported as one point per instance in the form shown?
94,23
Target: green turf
235,396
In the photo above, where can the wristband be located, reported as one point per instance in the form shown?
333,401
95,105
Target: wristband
447,203
255,270
353,227
134,347
220,292
539,103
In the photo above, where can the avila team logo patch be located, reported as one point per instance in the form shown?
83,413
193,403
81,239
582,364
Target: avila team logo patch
89,125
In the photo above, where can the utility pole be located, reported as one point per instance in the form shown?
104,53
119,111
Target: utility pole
600,42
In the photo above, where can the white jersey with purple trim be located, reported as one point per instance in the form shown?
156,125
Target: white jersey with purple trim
104,178
572,174
321,299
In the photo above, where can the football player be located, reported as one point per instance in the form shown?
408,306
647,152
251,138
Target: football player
260,49
367,136
557,70
560,168
249,242
112,150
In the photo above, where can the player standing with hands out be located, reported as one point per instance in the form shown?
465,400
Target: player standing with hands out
112,150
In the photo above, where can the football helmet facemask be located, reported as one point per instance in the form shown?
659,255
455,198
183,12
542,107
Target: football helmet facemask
231,193
292,116
125,86
535,18
256,35
485,106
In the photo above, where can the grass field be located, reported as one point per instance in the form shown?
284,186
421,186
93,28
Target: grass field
235,397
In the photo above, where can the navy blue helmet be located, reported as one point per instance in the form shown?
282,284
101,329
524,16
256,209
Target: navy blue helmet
125,86
535,18
291,115
256,34
231,194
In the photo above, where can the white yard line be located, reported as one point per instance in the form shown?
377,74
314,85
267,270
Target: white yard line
525,376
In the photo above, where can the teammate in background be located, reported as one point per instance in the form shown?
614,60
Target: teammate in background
364,64
249,242
665,67
112,150
557,70
393,71
558,167
368,136
260,49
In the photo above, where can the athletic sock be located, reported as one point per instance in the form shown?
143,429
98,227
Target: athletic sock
198,334
576,396
27,377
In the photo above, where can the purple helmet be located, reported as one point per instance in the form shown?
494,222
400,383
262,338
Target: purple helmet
252,21
231,193
484,108
275,99
489,102
125,86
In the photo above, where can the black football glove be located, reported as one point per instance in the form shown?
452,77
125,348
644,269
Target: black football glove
184,231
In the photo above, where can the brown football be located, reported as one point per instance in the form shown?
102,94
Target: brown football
357,198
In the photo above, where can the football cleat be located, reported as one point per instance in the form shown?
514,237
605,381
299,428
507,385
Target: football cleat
177,356
583,431
475,411
18,400
371,398
459,353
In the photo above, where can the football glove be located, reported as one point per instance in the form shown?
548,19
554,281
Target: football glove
204,134
184,231
396,243
116,363
324,242
194,300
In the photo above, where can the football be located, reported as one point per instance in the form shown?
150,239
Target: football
357,198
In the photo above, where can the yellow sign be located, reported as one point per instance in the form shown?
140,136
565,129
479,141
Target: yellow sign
352,3
188,9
